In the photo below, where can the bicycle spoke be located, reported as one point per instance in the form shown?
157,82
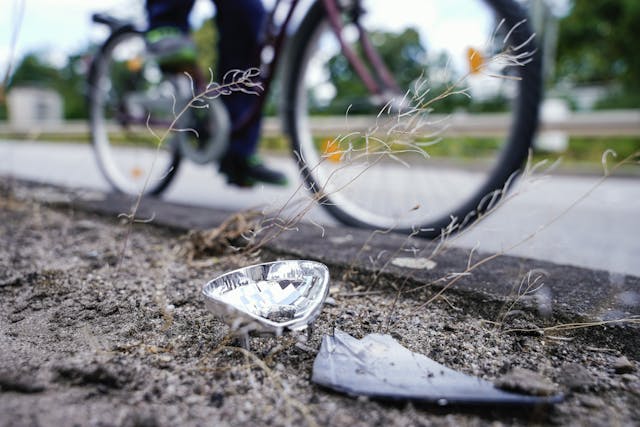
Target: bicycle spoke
131,109
414,157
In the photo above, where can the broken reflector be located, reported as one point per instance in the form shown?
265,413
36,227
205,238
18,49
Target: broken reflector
269,297
378,366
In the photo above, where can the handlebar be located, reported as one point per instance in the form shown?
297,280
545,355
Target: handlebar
113,23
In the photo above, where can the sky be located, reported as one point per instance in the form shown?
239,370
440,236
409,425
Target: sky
60,27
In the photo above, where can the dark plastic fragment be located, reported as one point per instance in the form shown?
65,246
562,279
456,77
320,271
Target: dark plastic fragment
379,367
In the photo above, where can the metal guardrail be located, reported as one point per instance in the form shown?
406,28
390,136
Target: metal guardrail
584,124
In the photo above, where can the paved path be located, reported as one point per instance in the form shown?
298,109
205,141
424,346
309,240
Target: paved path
602,232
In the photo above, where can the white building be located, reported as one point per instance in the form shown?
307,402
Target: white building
33,109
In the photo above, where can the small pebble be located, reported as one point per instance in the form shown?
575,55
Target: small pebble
193,399
591,402
622,365
526,381
166,358
305,348
576,377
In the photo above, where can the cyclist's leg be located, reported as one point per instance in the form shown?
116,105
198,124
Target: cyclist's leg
168,34
169,13
239,24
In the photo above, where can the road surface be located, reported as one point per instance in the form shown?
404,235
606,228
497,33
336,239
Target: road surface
602,231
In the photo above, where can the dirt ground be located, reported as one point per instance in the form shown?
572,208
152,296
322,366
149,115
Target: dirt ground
88,339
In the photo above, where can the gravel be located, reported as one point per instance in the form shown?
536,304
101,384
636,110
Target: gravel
91,335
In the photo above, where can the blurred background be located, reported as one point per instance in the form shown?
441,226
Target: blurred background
592,104
590,63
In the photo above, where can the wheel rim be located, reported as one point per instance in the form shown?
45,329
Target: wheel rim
396,185
131,108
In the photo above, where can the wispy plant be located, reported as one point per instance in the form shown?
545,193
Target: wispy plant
529,284
17,17
447,281
233,81
391,135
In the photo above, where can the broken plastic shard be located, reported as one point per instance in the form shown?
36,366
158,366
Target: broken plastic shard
269,297
378,366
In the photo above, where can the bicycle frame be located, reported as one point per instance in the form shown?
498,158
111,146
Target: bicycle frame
323,35
378,83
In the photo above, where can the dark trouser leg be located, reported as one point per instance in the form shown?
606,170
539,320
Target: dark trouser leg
239,24
170,13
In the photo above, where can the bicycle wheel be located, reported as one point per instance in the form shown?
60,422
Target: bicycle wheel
435,150
131,106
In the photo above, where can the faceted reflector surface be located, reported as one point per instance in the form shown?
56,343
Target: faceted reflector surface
271,296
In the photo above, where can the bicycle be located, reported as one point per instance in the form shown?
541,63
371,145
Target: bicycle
393,171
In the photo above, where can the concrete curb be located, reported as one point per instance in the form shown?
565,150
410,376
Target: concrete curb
570,294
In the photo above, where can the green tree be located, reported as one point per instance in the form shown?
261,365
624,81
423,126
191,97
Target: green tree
206,40
32,70
69,81
404,55
596,45
72,86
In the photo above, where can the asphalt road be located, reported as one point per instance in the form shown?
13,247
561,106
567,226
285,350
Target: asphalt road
602,231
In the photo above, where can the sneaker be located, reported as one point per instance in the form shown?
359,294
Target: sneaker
172,49
247,171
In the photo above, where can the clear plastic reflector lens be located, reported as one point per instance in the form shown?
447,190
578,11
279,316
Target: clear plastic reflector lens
270,297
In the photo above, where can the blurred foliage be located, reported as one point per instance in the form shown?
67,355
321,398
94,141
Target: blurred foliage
410,62
405,57
406,66
596,45
619,98
3,110
68,81
590,149
582,153
206,40
34,70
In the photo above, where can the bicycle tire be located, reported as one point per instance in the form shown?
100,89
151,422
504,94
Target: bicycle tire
509,161
161,166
